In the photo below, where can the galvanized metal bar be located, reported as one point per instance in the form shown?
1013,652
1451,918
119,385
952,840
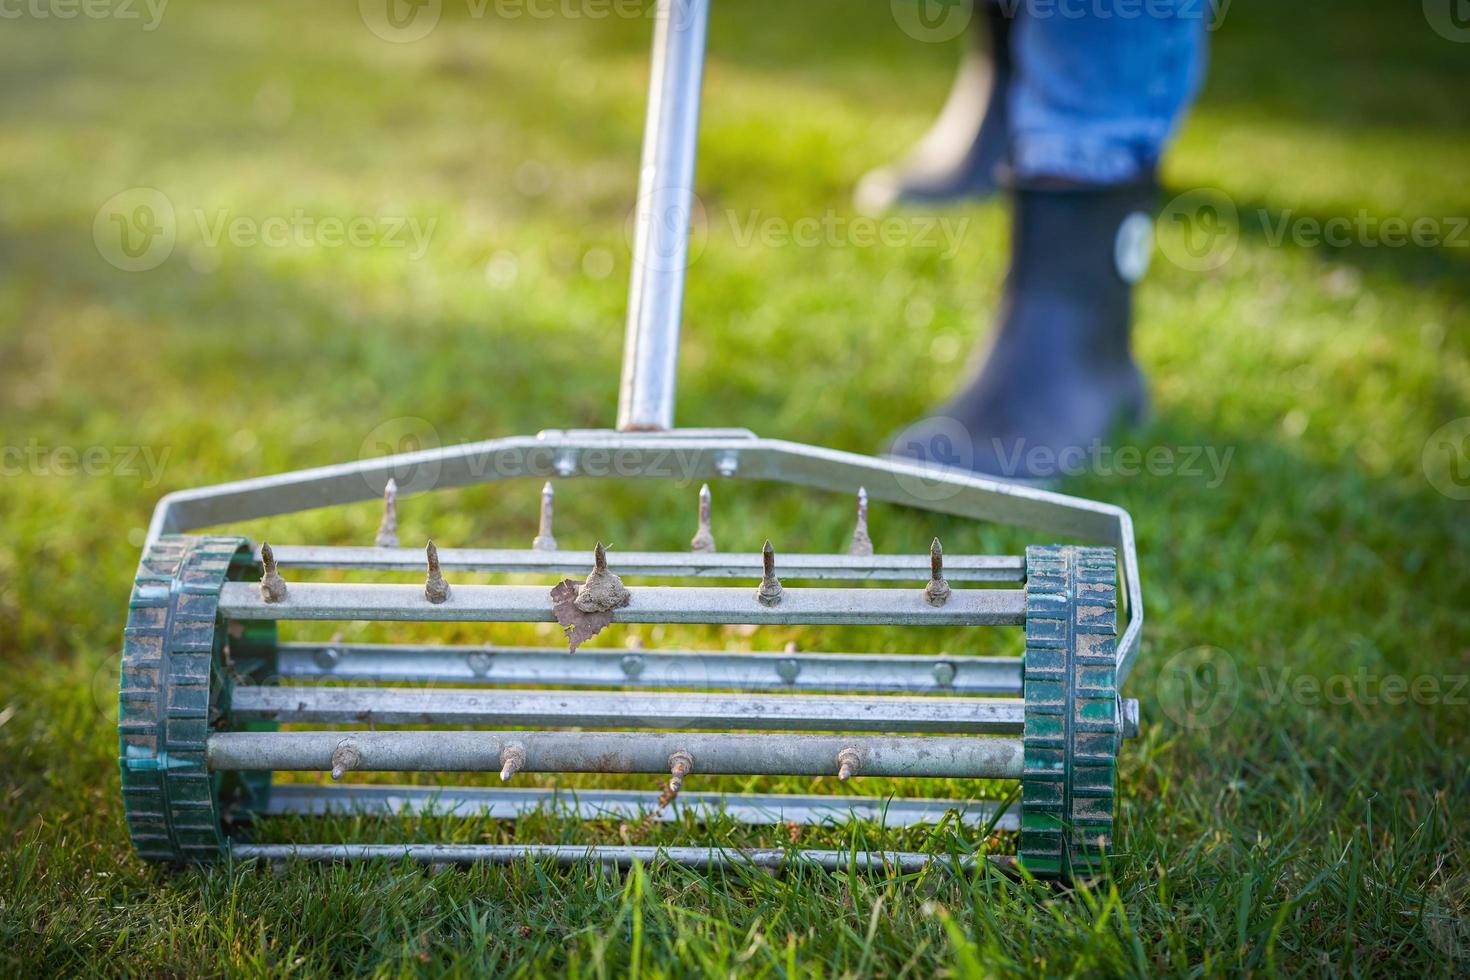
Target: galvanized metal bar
632,709
512,666
510,803
696,858
874,568
690,456
734,754
651,604
661,229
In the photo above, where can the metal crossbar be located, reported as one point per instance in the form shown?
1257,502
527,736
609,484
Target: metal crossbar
666,669
598,709
655,604
954,757
892,568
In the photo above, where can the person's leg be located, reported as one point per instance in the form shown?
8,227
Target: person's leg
1100,85
1095,97
959,155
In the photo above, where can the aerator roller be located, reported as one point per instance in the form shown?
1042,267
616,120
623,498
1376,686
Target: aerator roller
211,702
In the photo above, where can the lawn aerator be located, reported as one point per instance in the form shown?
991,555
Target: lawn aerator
205,683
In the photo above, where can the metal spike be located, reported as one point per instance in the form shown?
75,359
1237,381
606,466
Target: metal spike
769,594
861,545
603,591
272,586
436,590
345,758
681,764
512,761
847,763
388,530
544,541
703,541
936,593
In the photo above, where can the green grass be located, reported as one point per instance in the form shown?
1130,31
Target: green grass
1300,834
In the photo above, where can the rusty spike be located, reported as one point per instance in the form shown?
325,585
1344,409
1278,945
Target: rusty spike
603,591
681,764
769,594
703,540
388,530
936,593
272,586
436,590
544,540
861,545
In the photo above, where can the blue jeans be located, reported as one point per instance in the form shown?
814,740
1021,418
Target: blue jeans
1099,86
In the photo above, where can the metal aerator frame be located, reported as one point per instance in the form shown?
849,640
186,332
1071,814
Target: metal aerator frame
205,682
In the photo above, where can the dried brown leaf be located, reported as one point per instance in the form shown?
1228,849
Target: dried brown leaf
579,626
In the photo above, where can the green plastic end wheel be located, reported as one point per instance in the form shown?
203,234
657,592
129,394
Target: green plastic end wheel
1072,727
180,663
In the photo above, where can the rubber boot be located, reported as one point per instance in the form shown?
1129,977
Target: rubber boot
958,157
1059,374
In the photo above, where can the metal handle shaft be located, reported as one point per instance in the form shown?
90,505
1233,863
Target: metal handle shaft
661,236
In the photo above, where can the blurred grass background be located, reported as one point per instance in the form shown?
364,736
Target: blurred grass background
1298,835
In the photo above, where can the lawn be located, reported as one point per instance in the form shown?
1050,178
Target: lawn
1308,813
